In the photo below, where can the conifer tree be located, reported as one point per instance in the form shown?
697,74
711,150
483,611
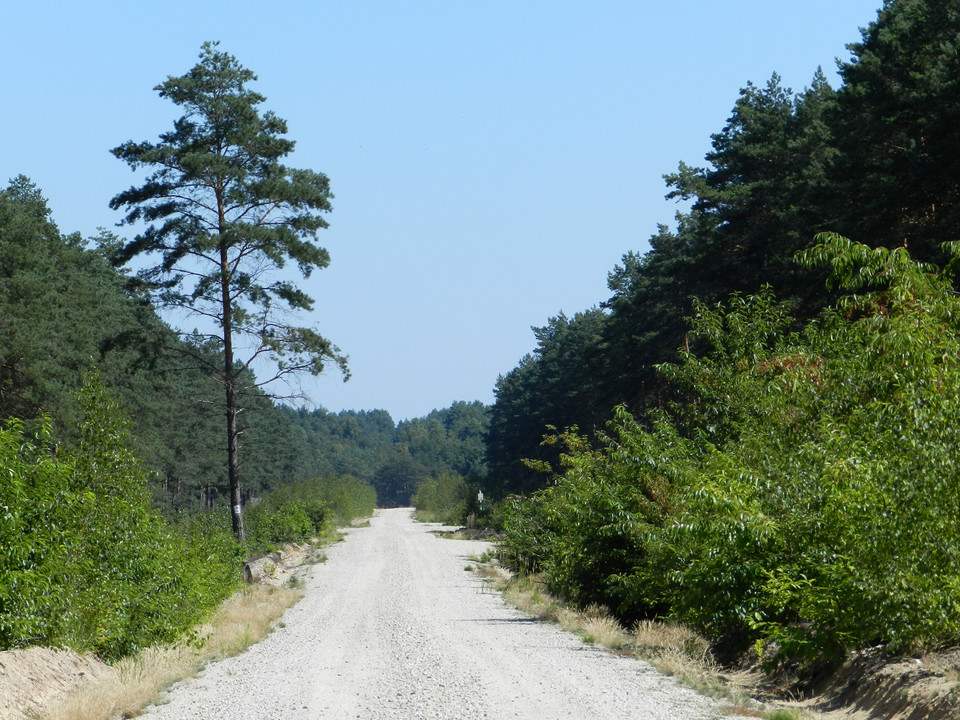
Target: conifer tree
898,129
222,217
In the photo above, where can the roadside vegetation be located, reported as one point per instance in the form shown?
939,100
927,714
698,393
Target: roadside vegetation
299,511
801,500
443,499
87,563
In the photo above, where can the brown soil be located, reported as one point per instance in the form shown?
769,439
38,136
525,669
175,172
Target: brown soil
30,679
869,686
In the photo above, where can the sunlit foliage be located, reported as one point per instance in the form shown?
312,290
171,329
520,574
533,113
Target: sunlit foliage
806,491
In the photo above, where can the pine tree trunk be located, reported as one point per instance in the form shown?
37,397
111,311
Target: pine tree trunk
233,462
230,377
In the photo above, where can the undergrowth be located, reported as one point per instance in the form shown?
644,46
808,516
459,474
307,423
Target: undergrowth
799,497
86,563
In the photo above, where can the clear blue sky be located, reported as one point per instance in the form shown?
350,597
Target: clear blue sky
491,161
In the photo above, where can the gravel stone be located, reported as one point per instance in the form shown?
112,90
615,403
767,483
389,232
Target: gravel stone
393,627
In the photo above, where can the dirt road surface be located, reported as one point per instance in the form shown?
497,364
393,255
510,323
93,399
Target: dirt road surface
393,626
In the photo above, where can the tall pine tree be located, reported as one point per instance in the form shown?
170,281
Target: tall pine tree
223,216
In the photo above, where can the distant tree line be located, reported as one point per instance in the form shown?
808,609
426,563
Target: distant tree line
394,458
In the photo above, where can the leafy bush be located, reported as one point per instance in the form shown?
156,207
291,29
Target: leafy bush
271,526
84,561
296,512
806,490
347,497
525,532
443,498
591,532
827,520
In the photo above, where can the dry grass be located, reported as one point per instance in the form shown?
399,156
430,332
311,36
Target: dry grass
672,648
241,620
675,649
653,637
597,627
594,624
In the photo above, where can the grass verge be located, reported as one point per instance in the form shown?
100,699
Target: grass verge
243,619
673,649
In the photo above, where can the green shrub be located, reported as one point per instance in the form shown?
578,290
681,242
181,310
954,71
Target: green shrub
299,511
346,497
825,518
805,491
525,532
270,526
592,532
443,499
84,561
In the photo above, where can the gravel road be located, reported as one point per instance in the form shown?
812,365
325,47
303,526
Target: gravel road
392,626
